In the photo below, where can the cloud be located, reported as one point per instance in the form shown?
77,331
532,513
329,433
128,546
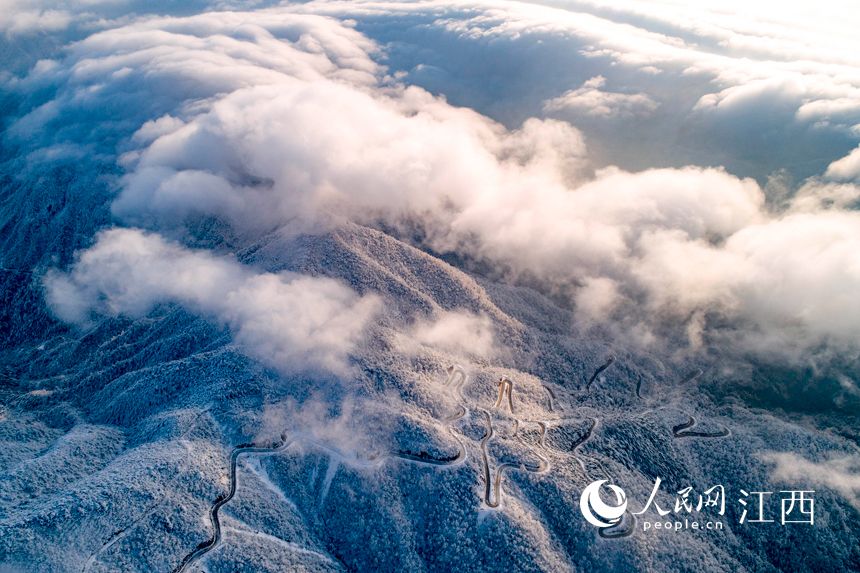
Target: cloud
24,17
679,240
817,195
114,81
784,75
791,279
841,474
291,322
733,45
283,118
591,100
597,298
346,429
846,168
457,332
261,157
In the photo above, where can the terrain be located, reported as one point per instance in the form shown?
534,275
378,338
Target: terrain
152,444
276,296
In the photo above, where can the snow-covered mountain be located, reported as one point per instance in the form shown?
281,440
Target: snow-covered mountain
376,287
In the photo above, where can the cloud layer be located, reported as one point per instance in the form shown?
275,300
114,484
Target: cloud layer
846,168
841,474
458,333
291,322
283,118
591,99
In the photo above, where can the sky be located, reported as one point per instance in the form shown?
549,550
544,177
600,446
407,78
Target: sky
686,173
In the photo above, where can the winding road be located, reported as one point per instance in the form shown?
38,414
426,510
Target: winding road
600,370
493,485
425,458
585,437
682,431
619,531
206,546
506,388
493,480
551,397
457,377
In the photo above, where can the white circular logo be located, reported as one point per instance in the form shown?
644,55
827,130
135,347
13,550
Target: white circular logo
599,513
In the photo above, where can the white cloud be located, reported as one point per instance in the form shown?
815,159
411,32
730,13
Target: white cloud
841,474
274,119
734,45
456,332
131,74
27,16
43,20
846,168
787,76
816,195
590,99
793,279
291,322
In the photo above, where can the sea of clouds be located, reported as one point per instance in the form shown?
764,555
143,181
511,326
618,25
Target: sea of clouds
686,175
